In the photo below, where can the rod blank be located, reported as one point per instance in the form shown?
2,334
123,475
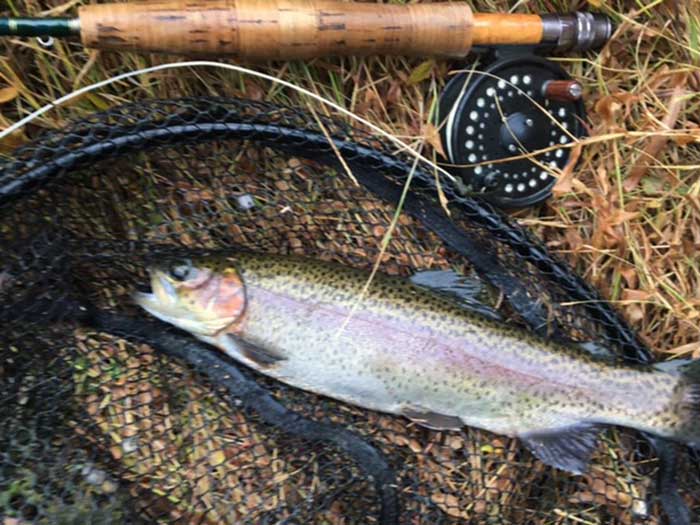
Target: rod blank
58,27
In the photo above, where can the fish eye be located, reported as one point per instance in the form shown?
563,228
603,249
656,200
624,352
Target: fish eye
180,270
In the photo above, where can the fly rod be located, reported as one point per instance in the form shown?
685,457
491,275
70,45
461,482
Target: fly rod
300,29
505,130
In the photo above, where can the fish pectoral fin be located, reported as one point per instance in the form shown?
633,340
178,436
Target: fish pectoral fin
262,357
429,419
569,448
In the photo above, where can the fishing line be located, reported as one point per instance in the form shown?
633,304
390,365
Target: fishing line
384,244
205,63
240,69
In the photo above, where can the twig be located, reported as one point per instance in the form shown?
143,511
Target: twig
657,142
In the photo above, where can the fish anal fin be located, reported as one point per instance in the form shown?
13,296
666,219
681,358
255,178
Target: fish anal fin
262,357
568,448
429,419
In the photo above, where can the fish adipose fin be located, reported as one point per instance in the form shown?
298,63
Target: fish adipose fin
260,356
679,367
465,289
432,420
596,349
569,448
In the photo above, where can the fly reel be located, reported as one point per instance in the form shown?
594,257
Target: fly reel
507,130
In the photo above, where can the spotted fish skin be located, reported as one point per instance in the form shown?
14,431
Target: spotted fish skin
402,349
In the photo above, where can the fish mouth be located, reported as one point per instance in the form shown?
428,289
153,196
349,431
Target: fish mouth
163,288
145,289
163,302
157,296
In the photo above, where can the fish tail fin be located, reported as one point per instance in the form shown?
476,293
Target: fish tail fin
690,388
690,401
686,397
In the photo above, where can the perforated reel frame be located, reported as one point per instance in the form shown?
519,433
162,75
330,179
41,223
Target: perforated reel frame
502,112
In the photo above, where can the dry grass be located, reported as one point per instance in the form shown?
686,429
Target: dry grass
628,217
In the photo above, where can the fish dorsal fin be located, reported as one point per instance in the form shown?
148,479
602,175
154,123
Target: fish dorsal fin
465,289
569,448
429,419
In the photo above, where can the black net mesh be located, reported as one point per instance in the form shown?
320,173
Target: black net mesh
108,417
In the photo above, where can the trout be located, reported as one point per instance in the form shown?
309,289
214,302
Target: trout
405,349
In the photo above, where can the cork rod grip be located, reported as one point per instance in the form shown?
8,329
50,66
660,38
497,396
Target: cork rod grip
278,29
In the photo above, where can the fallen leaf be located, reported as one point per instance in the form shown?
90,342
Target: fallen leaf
96,101
652,185
449,504
13,141
608,107
421,72
217,458
603,180
622,216
563,185
630,276
393,95
432,137
565,181
574,239
694,38
683,139
691,348
629,294
253,90
8,93
656,144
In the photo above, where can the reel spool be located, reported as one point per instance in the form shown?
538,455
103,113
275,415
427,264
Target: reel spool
487,117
